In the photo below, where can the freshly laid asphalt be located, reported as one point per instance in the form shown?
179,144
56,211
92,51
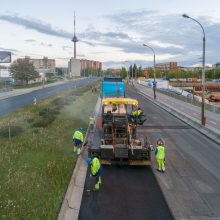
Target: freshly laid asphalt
127,193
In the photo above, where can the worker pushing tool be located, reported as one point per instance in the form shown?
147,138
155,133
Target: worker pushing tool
160,156
95,169
78,140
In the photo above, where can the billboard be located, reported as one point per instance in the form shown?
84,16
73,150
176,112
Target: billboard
5,57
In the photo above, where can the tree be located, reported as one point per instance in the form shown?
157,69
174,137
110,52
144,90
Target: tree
23,70
59,71
135,71
140,72
123,73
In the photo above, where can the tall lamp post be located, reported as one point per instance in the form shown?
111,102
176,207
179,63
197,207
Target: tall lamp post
203,119
154,86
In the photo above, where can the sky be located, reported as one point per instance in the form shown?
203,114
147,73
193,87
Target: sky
112,32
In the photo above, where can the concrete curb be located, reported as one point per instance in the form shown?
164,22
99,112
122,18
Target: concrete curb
72,201
207,131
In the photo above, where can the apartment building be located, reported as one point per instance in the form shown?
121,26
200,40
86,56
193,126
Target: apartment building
42,65
167,66
90,64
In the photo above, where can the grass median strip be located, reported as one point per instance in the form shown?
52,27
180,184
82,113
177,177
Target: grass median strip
37,156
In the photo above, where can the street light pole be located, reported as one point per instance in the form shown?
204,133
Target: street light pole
154,86
203,119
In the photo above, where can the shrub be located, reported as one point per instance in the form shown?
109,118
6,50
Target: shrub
44,121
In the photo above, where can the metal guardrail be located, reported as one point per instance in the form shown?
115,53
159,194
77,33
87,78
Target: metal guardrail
209,107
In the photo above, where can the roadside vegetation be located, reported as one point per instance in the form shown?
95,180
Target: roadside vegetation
37,156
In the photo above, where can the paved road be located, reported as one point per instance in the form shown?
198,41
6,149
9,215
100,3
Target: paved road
212,119
191,183
12,104
128,193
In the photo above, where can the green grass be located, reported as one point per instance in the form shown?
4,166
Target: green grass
37,162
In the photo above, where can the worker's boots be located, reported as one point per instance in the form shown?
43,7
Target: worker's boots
74,149
97,185
78,151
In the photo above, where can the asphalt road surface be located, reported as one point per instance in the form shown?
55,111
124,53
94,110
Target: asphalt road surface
127,193
14,103
190,184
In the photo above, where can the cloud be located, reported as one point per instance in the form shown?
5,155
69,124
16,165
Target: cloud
169,33
45,45
36,25
65,48
13,51
30,40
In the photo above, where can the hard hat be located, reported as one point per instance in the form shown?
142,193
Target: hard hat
160,142
88,160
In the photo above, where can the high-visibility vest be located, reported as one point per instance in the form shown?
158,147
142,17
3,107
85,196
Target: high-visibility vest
160,152
95,165
78,135
137,112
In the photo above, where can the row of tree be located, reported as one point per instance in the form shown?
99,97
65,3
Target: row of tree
23,70
136,72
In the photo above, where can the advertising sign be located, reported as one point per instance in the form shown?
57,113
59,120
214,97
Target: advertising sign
5,57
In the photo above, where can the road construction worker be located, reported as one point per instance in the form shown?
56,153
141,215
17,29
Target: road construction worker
78,140
95,170
137,112
160,155
136,115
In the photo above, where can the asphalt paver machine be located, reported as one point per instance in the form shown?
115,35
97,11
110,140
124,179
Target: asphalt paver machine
115,138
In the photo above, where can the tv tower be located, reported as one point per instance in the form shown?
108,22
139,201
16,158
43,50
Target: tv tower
75,39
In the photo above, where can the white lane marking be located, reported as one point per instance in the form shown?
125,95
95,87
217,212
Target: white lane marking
195,113
213,122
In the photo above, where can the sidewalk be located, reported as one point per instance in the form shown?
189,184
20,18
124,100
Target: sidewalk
188,113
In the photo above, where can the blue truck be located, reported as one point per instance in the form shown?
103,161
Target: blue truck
112,87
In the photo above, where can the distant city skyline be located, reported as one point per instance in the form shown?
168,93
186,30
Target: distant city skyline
112,32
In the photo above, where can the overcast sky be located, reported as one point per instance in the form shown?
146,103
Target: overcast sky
111,31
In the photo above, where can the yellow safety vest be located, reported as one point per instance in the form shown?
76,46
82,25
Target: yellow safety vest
78,135
95,165
160,152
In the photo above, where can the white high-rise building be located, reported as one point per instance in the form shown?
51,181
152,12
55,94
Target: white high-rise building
74,67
